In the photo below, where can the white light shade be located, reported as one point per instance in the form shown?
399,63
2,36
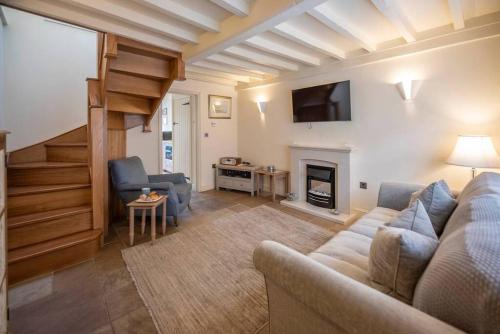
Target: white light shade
262,106
475,152
408,89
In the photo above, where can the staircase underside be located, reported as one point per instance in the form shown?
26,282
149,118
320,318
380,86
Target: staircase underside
49,207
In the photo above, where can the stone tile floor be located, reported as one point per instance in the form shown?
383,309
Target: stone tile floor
99,296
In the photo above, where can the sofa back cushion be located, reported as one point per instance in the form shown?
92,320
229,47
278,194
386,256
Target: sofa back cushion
398,257
461,284
416,219
439,203
128,171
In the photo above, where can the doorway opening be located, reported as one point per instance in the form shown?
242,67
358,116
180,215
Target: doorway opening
178,135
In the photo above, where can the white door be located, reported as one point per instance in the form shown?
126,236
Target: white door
181,134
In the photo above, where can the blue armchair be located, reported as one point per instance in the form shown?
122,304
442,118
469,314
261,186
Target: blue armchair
129,177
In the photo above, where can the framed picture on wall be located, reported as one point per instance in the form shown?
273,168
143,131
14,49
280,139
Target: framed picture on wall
219,106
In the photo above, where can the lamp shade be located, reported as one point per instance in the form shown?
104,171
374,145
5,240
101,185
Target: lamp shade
475,152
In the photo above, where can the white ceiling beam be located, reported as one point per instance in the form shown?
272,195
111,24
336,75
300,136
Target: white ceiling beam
218,74
131,16
65,13
268,45
261,58
190,75
228,69
237,7
457,13
332,20
395,15
234,30
300,36
182,13
243,64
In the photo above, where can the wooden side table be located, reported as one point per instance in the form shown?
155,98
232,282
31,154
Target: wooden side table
278,174
145,206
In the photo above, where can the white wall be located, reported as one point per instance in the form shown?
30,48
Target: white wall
46,65
221,140
392,140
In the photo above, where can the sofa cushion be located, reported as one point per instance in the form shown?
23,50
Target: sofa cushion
369,223
398,258
346,252
439,204
416,219
461,284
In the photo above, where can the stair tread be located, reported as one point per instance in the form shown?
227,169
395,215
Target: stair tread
76,144
26,190
41,248
18,221
47,164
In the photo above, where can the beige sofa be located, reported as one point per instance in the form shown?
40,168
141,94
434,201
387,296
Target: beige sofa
330,291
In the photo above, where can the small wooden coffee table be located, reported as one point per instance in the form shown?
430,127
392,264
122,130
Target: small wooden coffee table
145,206
277,174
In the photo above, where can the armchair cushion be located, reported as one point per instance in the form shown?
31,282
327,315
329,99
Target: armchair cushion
129,170
137,187
174,178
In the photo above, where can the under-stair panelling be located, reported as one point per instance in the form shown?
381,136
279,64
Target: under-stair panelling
128,104
48,173
138,65
135,86
48,256
67,152
43,226
32,199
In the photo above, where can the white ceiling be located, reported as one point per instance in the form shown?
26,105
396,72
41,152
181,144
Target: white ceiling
250,40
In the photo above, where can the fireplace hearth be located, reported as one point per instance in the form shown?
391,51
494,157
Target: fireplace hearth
320,186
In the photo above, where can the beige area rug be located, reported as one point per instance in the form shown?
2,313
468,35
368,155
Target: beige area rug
202,279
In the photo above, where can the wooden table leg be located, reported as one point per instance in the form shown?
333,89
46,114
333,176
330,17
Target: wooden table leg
273,183
258,184
131,226
153,224
143,221
164,217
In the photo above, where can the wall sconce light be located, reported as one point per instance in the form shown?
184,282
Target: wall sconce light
408,89
262,106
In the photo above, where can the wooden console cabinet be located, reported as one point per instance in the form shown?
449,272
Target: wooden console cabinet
242,178
3,235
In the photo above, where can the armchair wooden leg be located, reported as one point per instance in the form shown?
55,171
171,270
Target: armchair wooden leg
189,207
175,221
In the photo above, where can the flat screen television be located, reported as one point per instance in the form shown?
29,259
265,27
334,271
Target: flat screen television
325,103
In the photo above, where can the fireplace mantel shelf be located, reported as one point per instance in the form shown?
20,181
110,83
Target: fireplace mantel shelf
342,149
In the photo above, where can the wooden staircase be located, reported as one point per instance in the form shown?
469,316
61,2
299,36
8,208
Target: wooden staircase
58,196
49,207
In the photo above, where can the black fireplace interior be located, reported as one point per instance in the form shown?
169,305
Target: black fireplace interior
321,186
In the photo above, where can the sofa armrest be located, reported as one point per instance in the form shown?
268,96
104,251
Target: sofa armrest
153,186
173,178
329,302
396,195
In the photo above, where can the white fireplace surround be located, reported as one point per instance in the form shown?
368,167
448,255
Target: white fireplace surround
336,157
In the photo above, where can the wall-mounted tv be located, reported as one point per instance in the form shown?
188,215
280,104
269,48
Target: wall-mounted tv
325,103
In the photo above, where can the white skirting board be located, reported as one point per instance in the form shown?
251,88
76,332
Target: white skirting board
324,213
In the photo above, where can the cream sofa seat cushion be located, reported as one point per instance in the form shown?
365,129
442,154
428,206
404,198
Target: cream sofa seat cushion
369,223
348,251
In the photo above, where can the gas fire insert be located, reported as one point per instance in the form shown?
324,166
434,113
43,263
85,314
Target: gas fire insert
321,186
